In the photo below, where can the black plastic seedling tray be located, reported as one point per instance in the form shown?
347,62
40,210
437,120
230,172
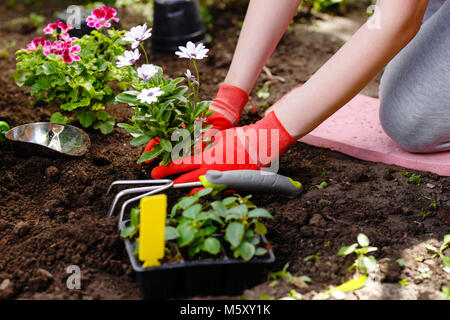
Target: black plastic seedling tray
226,276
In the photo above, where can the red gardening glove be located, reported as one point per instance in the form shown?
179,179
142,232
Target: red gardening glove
227,107
246,148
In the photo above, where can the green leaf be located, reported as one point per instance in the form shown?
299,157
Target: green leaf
187,235
366,264
186,202
229,200
130,128
238,211
220,208
363,240
212,245
166,145
58,118
260,228
260,213
203,192
171,233
44,83
128,232
135,213
86,117
70,106
47,68
347,250
105,127
247,250
149,155
234,233
260,251
193,211
351,285
140,140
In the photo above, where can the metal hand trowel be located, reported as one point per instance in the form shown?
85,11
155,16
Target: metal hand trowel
47,139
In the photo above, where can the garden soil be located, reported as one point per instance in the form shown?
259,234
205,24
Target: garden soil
53,211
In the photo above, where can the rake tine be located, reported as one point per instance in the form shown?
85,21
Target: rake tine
130,182
131,191
126,203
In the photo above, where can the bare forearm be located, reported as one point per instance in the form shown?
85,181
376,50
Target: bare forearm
349,71
264,25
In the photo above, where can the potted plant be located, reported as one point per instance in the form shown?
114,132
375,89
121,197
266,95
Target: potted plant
213,247
78,74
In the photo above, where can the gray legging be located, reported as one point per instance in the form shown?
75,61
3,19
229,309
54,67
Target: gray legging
415,87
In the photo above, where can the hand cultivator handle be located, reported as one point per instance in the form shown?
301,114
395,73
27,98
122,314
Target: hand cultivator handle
252,181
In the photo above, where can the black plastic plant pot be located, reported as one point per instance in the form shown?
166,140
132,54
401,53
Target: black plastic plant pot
175,23
78,18
226,276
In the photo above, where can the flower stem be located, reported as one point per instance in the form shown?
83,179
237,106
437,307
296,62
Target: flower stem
145,53
198,80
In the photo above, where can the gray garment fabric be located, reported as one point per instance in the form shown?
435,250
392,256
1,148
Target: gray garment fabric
415,87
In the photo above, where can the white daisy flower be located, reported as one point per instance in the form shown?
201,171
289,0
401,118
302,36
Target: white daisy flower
147,71
191,77
138,34
192,52
150,95
128,59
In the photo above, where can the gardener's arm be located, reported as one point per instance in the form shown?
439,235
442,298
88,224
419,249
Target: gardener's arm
264,25
352,68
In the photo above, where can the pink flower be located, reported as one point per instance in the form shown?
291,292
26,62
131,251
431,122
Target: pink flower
101,17
66,38
53,27
69,51
34,45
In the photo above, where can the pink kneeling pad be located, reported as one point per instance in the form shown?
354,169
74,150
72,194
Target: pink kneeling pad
355,130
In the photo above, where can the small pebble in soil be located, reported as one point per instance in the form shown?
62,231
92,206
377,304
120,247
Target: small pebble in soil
21,228
51,172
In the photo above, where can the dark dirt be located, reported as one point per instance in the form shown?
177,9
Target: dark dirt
53,211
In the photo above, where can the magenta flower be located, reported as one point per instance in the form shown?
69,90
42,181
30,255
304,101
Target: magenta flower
101,17
69,53
66,38
56,47
53,27
34,45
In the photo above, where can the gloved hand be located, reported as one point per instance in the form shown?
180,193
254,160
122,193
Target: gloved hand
251,147
227,107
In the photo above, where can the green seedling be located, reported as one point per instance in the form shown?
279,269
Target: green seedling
351,285
413,178
264,296
235,217
293,295
424,214
132,230
445,293
327,244
401,262
313,256
403,282
264,92
434,206
4,127
440,252
419,259
282,274
422,197
322,185
363,264
425,272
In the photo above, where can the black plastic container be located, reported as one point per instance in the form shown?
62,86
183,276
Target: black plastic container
183,279
175,23
78,19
